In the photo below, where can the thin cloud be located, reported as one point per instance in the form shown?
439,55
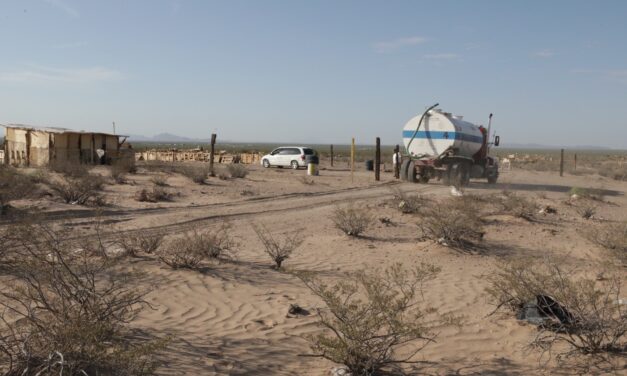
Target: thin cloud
445,56
393,45
62,5
544,53
37,74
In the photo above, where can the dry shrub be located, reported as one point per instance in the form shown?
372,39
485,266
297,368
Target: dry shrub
582,313
278,249
160,180
124,165
614,172
13,186
519,206
454,223
370,315
351,220
69,169
196,173
589,193
587,211
66,312
140,241
194,247
408,204
611,236
82,190
237,170
155,194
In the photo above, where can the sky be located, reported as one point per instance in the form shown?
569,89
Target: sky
552,72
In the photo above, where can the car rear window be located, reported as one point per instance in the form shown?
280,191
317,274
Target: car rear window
308,151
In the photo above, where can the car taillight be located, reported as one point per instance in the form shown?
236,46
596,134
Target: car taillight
302,157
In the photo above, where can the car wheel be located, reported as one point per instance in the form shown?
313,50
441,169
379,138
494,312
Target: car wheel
266,163
295,165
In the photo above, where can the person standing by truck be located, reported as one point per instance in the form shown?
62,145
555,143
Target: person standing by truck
396,162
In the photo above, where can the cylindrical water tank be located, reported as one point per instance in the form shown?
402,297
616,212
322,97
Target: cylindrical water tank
440,132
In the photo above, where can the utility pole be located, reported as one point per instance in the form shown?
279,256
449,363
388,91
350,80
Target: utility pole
114,127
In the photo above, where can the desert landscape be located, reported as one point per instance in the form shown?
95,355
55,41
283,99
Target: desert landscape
234,274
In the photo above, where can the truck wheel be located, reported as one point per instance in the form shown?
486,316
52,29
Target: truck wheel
403,170
492,179
411,172
446,176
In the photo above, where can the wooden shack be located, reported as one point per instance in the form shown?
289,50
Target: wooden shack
26,145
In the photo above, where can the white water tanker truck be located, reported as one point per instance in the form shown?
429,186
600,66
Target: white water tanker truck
441,145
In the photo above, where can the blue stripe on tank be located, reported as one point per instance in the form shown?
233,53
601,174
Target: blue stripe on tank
438,135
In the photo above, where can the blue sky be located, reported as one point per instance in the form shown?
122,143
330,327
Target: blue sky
552,72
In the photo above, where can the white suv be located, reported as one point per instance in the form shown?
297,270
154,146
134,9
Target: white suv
284,156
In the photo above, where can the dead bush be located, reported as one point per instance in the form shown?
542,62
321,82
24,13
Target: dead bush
278,248
587,211
588,193
611,236
370,315
351,220
140,241
69,169
580,312
237,170
454,223
82,191
408,204
519,206
160,180
194,247
66,313
124,166
13,186
120,168
196,173
156,194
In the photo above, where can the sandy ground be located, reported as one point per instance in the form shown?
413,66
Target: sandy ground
230,318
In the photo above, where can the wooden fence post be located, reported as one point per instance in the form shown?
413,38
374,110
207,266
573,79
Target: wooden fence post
352,158
377,160
562,162
331,155
212,153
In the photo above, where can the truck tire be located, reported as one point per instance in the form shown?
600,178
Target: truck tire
403,169
492,178
446,176
411,172
459,174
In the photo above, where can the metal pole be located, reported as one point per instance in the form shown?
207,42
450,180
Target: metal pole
562,162
575,161
211,153
377,160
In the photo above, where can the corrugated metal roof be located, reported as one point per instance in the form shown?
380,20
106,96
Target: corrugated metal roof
55,129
